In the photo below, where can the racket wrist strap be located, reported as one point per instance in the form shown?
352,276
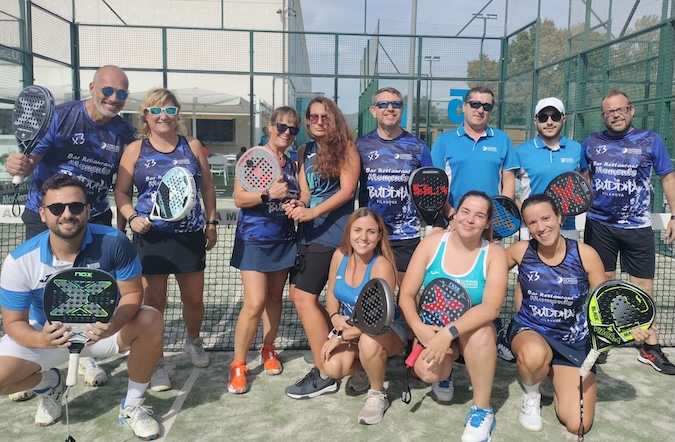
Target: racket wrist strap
132,217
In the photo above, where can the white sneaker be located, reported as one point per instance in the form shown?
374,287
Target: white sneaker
373,411
444,390
546,388
139,419
530,413
357,383
21,396
479,425
160,378
196,351
93,374
49,408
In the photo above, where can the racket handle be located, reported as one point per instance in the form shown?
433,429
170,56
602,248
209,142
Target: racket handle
414,354
73,362
17,179
588,363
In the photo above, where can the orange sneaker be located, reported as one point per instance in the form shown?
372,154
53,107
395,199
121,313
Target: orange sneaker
269,359
238,383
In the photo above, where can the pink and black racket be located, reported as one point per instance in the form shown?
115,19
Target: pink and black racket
505,217
257,169
571,193
429,189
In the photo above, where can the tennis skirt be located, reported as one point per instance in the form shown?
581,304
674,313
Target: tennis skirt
263,257
171,253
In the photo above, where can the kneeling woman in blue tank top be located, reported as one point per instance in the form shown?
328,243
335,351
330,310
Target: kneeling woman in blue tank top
466,256
365,253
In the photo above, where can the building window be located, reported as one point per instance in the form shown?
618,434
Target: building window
218,131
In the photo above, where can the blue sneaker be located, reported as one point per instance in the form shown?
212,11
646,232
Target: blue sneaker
479,425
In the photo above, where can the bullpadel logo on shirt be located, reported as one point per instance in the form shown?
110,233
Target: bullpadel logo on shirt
489,148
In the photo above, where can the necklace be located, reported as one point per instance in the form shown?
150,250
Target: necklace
280,155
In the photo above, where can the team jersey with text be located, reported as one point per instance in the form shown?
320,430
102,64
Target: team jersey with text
75,145
386,166
621,169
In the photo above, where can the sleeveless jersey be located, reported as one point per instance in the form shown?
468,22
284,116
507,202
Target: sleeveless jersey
473,281
150,168
554,296
386,166
75,145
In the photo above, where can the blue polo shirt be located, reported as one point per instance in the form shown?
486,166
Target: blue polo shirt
474,165
539,164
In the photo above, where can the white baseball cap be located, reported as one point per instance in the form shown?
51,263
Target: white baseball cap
549,102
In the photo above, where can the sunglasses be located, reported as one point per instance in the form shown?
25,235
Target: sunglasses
120,93
156,110
555,116
385,104
477,104
281,128
57,209
314,118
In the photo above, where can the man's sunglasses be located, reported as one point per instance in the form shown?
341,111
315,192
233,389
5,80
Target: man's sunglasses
477,104
555,116
120,93
385,104
57,209
314,118
281,128
156,110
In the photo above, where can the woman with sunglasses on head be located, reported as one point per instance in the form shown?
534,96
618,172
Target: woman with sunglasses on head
168,247
329,169
467,256
264,251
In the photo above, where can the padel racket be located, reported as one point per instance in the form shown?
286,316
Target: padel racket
175,197
615,309
428,187
374,309
77,297
505,217
442,302
257,169
33,112
571,193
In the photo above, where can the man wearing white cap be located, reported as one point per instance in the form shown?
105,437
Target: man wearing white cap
548,155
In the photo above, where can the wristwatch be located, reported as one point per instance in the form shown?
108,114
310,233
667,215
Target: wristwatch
453,332
264,197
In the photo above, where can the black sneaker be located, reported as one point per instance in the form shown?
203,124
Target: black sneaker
312,386
657,359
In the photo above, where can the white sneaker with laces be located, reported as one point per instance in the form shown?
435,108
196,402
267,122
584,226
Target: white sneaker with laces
196,351
139,418
530,413
479,424
21,396
373,411
93,374
444,390
49,408
357,383
160,378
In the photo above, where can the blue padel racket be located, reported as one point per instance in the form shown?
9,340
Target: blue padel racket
442,302
374,309
505,217
257,169
175,197
429,188
571,193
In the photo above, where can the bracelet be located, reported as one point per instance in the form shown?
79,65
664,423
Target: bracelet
672,216
303,203
330,318
133,217
214,222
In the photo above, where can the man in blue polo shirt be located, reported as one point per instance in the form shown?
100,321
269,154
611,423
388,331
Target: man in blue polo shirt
548,155
476,156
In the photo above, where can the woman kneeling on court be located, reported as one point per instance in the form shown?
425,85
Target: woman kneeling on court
549,333
365,254
466,256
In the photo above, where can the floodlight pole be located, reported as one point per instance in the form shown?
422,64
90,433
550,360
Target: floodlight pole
485,18
411,64
430,59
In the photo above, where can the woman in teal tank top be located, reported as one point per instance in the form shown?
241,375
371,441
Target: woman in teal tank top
466,256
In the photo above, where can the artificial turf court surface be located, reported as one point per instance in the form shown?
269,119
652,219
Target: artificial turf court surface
635,403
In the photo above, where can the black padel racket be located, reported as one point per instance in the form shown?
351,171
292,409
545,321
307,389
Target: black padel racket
442,302
374,309
77,297
571,193
429,188
257,169
175,197
505,217
615,309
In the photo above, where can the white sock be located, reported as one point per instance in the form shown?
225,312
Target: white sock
532,390
190,340
136,390
49,380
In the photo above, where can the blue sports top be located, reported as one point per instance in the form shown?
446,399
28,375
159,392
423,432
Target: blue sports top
27,268
539,164
326,229
150,168
268,222
473,281
554,296
474,165
386,166
621,169
76,145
